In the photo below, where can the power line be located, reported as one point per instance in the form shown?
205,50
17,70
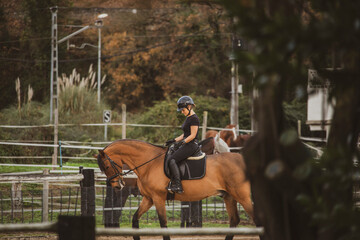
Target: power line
133,36
29,39
131,52
123,54
113,55
123,9
23,60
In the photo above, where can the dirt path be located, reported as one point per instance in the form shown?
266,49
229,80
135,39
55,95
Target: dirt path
52,236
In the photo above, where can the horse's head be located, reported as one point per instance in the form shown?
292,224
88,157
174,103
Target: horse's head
112,170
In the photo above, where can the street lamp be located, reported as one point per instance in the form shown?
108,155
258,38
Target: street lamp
99,24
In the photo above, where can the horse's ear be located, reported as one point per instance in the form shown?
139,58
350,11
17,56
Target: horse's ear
101,152
95,155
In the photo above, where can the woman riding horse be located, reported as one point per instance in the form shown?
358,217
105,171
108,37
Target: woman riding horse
225,175
186,143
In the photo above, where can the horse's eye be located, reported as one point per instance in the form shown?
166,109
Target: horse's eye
107,168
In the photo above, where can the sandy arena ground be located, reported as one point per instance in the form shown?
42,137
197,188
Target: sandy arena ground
51,236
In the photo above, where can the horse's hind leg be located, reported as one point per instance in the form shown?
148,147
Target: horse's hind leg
232,211
145,205
243,196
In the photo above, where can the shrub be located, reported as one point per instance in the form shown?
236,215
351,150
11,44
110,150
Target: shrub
164,113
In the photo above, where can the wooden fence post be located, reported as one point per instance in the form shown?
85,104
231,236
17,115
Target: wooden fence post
76,227
45,198
111,217
88,193
203,133
123,117
191,214
299,128
16,197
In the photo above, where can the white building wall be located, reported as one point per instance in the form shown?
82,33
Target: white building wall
318,107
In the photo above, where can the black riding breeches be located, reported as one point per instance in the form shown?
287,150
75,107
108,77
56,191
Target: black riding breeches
184,152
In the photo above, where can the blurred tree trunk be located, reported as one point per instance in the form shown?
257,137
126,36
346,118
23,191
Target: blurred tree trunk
296,196
274,155
271,157
341,151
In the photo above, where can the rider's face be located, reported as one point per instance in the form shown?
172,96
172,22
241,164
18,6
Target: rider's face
185,111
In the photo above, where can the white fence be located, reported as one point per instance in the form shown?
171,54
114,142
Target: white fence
54,227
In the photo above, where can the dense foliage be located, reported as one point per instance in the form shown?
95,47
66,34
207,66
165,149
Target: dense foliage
25,34
164,113
185,51
295,196
162,49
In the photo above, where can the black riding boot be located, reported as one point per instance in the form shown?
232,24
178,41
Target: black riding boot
176,186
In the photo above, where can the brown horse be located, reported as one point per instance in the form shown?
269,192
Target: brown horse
207,145
225,175
231,140
116,198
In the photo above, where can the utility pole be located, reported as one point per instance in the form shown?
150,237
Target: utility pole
54,83
99,64
99,24
234,108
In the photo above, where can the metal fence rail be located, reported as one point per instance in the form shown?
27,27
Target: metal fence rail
179,231
54,227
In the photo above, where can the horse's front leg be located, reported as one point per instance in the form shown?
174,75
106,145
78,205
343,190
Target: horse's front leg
145,205
161,211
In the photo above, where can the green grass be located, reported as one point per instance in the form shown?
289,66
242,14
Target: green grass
12,169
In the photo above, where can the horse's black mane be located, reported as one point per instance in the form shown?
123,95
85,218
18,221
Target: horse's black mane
205,141
100,163
135,140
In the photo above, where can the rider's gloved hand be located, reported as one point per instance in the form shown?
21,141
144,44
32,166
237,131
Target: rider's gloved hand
169,142
179,144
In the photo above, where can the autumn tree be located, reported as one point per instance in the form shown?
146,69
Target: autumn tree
178,52
25,46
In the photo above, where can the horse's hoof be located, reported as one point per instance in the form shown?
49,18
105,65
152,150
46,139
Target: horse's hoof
229,237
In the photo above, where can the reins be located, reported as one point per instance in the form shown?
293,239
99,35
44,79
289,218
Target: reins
131,170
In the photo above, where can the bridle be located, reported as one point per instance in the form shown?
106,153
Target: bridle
115,167
118,172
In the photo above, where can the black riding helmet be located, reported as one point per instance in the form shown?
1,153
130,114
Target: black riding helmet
183,102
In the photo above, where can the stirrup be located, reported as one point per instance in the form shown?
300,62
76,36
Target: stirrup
177,188
171,189
168,188
178,191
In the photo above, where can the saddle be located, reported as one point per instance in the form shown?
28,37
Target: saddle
194,167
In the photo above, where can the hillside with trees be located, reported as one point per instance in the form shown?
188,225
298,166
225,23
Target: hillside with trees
150,50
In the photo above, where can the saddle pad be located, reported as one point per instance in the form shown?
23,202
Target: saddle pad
193,169
189,169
